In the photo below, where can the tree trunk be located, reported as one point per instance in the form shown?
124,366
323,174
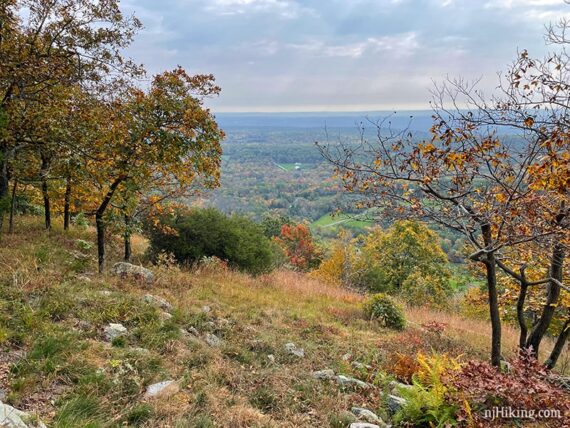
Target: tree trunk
43,176
127,238
12,207
520,314
491,270
3,185
67,205
558,346
100,222
552,296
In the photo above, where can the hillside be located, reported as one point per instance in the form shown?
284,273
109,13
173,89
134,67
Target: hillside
223,340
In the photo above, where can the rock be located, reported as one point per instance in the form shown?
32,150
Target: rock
346,382
271,358
346,357
164,316
327,374
213,340
209,326
193,331
206,309
396,387
2,394
363,425
113,331
163,389
105,293
395,403
293,350
14,418
157,301
365,414
84,278
127,270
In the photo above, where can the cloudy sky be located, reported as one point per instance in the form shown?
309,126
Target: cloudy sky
337,55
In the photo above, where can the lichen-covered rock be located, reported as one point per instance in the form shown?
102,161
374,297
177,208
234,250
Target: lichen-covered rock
291,349
127,270
157,301
395,403
14,418
113,331
363,425
163,389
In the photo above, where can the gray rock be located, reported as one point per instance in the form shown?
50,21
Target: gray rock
396,387
84,278
14,418
365,414
360,366
127,270
346,357
363,425
291,349
163,389
327,374
347,382
213,340
395,403
271,358
157,301
113,331
206,309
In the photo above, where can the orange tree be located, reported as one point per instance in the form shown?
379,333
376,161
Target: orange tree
299,246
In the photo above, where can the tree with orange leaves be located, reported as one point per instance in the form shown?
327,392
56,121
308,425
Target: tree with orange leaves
299,246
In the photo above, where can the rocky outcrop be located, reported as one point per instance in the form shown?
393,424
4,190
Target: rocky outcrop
14,418
113,331
127,270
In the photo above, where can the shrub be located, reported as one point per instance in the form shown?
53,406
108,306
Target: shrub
382,308
194,234
418,290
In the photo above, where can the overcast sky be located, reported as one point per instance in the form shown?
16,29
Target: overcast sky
337,55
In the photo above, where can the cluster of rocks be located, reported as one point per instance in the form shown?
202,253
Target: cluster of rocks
342,380
139,273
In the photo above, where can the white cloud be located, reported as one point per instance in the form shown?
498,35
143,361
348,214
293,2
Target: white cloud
509,4
284,8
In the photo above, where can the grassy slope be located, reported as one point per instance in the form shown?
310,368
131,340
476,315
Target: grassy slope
71,377
330,220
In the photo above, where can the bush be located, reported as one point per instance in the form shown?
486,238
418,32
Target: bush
419,290
192,235
382,308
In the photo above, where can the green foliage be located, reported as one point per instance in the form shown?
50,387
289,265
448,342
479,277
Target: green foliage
84,411
407,247
272,224
418,289
382,308
191,235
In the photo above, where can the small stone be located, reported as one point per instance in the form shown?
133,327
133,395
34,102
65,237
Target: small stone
193,331
327,374
365,414
105,293
157,301
113,331
395,403
363,425
127,270
206,309
361,366
271,358
346,357
84,278
346,381
11,417
164,316
293,350
163,389
213,340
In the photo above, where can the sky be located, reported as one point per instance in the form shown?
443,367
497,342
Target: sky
337,55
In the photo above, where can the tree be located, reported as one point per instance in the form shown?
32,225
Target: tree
161,140
299,247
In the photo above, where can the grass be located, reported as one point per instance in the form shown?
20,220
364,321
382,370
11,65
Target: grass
59,366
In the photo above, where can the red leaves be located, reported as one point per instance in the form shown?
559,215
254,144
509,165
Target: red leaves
298,245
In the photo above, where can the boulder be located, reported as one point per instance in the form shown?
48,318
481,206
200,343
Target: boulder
326,374
163,389
291,349
157,301
395,403
127,270
113,331
14,418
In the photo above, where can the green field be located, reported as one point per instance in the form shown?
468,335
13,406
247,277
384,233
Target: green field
333,221
291,166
